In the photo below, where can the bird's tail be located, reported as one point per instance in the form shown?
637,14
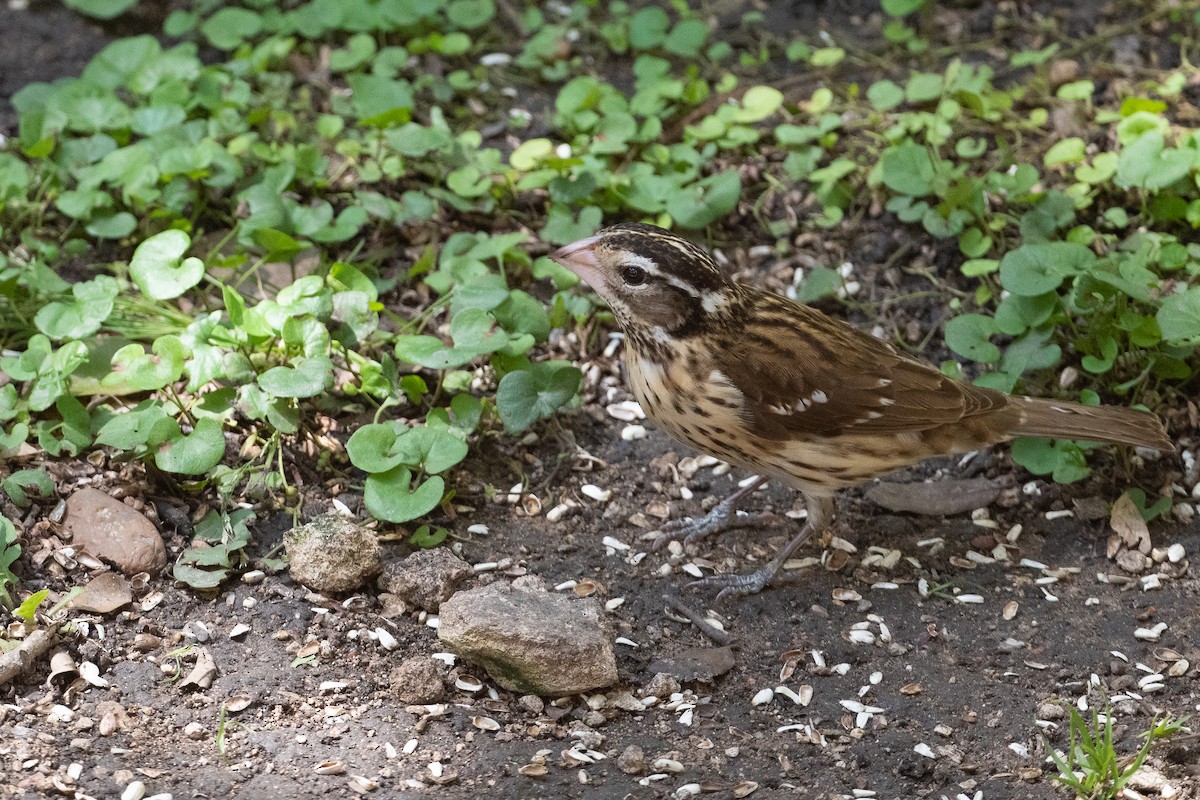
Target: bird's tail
1057,420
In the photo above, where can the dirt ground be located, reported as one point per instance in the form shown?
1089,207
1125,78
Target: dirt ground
942,700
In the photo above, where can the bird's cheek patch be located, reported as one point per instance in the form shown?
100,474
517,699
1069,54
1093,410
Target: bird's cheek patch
662,309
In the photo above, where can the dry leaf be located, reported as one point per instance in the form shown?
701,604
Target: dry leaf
1127,521
106,592
203,673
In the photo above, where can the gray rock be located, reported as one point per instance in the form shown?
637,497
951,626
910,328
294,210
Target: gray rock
114,532
528,641
332,554
583,733
661,684
632,760
695,664
418,680
531,703
936,498
425,579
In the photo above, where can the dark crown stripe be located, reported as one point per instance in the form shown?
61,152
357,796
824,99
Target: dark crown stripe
673,255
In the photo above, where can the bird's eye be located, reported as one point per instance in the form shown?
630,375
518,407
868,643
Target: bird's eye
633,276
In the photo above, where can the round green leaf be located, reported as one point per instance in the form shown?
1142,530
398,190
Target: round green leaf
1077,90
372,448
91,304
969,334
1103,167
907,169
885,95
1041,267
1179,316
132,429
430,352
686,38
389,496
901,8
133,367
827,56
472,331
1148,164
1068,151
380,101
528,395
14,176
648,28
468,181
433,449
470,14
975,267
308,378
923,87
758,103
970,147
1063,460
974,244
229,27
156,267
192,454
112,226
102,9
530,153
709,199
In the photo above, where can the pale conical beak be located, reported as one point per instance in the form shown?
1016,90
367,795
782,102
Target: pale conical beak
580,258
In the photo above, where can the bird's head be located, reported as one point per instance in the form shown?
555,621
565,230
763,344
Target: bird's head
654,281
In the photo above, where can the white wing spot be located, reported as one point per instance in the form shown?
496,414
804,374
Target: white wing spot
886,401
713,301
716,376
885,382
820,397
660,335
874,415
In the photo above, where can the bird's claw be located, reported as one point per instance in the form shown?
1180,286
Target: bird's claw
736,585
721,518
754,582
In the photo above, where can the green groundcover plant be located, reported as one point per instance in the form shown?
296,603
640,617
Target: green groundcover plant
279,214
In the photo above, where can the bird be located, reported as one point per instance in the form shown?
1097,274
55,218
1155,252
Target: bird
788,392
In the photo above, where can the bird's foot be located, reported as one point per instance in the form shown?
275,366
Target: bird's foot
754,582
724,516
738,585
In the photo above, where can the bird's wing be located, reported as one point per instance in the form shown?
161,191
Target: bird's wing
802,373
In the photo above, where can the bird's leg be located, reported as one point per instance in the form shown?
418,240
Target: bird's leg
820,512
722,517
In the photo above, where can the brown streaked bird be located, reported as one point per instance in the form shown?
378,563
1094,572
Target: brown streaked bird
783,390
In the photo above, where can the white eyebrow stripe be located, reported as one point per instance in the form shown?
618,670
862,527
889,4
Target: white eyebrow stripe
635,260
